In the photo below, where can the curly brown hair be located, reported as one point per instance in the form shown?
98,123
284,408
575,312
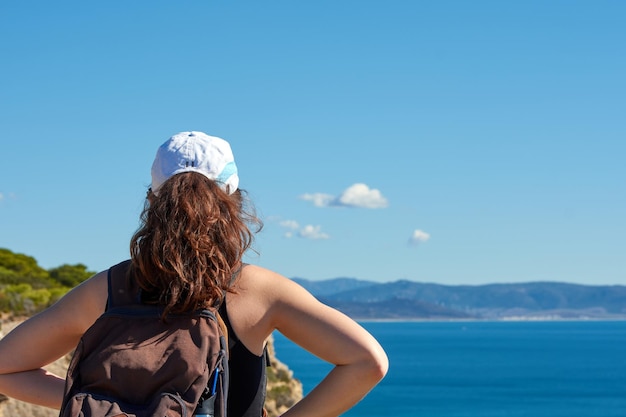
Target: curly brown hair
191,242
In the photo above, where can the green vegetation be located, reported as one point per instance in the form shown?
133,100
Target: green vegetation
26,288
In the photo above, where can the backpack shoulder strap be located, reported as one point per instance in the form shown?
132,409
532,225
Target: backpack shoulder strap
121,289
223,328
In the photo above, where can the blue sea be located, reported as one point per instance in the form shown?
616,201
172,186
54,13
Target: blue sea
489,369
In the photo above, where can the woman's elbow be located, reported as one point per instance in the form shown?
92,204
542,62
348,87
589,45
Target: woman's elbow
377,364
382,364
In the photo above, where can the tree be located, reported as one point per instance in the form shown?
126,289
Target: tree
26,288
70,275
23,265
18,268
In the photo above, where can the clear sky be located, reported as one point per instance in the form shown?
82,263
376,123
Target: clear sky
455,142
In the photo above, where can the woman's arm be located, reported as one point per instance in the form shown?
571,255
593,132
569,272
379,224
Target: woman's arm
360,362
46,337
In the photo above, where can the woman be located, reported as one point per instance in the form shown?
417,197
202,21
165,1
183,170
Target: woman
187,254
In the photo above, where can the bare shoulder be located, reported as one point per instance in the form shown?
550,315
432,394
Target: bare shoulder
254,291
271,291
56,330
254,305
279,302
81,306
258,281
90,297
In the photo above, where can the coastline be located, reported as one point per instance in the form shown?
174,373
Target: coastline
487,320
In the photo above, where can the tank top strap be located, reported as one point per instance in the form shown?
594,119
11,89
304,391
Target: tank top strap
232,336
122,290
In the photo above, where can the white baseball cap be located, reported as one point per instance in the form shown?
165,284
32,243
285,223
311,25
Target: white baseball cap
196,152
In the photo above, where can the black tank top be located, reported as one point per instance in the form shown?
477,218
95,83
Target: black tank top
246,393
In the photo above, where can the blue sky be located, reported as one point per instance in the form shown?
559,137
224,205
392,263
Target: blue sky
452,142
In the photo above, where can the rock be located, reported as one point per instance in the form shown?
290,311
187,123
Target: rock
283,390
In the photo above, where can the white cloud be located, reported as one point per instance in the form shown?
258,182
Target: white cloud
312,232
290,224
418,236
318,199
10,196
7,197
358,195
306,232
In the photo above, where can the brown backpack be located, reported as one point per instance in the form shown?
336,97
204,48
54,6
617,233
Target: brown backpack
131,363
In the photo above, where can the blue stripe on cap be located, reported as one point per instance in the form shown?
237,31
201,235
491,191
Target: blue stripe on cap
229,170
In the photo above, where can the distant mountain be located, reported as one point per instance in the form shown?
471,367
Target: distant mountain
414,300
332,286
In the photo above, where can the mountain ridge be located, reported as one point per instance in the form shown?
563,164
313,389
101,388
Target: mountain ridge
404,299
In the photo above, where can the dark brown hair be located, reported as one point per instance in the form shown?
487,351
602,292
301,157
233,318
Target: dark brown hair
191,242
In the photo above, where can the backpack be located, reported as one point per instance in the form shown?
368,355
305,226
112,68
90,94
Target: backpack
130,363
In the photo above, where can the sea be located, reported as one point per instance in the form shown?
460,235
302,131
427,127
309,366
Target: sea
488,369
